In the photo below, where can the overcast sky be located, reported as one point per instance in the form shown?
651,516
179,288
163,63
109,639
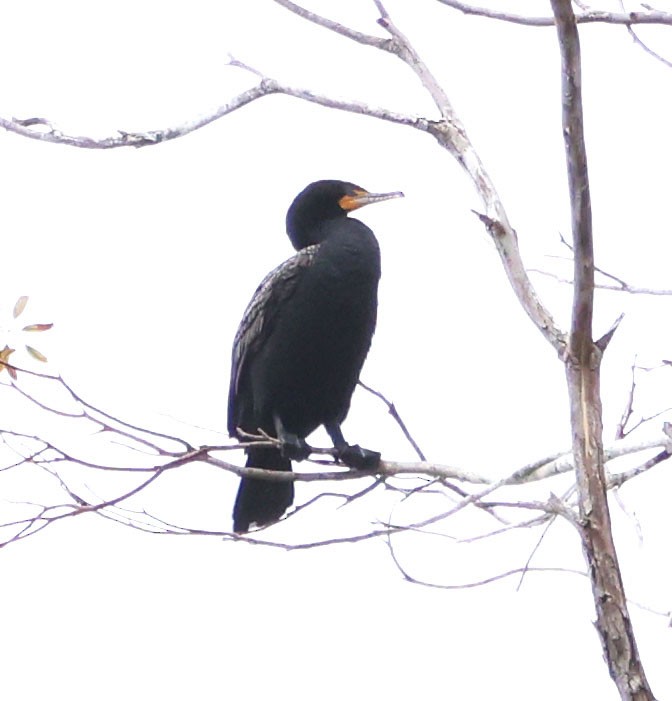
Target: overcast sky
145,259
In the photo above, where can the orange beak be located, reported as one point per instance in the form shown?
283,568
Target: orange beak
360,198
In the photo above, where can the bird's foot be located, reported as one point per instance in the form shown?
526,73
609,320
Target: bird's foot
358,458
294,448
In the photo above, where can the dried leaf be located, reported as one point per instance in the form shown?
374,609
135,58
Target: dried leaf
36,354
20,305
4,360
37,327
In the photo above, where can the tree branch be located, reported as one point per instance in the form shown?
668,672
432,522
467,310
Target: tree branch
359,37
579,190
587,17
621,286
451,135
392,410
266,87
582,364
635,37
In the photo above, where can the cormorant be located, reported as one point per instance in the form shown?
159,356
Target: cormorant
302,342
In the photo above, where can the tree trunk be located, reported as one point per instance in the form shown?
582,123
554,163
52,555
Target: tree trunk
613,621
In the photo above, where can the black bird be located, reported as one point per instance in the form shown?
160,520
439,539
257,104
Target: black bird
302,342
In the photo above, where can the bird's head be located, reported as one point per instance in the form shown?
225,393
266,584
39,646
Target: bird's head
322,201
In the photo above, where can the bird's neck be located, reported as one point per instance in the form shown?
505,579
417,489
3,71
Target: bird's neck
305,231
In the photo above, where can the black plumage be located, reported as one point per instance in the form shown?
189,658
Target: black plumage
302,342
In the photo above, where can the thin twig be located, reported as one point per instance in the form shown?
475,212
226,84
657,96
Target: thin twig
392,409
620,287
635,37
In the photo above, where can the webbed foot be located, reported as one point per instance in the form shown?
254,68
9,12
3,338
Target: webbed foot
293,447
358,458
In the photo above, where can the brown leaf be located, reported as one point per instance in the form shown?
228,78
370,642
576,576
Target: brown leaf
20,305
37,327
36,354
4,360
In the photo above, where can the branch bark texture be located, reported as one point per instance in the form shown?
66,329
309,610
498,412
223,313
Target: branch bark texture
582,364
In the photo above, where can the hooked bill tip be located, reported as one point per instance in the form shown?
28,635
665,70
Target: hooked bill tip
377,197
362,198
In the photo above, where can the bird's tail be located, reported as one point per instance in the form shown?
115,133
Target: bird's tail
262,501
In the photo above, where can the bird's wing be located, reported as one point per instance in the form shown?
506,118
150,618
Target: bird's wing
259,318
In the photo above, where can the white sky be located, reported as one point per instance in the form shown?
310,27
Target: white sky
145,260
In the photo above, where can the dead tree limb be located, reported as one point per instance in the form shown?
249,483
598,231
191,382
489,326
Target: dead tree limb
582,363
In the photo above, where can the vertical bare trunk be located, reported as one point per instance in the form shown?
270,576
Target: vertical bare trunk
582,362
613,622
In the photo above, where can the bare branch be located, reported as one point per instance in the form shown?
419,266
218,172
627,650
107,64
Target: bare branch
617,450
313,544
451,135
620,287
623,429
93,413
538,470
471,585
392,409
587,17
642,45
366,39
618,480
627,411
135,139
648,49
535,549
46,455
150,138
32,525
605,339
582,365
581,343
403,48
